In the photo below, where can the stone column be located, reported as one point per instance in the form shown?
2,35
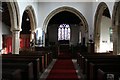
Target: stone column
43,39
82,34
32,36
116,42
32,39
15,41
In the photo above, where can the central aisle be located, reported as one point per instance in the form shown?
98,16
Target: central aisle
63,69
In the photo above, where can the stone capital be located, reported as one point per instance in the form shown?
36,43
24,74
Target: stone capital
15,30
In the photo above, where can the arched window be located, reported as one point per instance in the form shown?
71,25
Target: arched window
64,32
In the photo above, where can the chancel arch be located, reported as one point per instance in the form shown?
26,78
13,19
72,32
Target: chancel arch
83,23
103,29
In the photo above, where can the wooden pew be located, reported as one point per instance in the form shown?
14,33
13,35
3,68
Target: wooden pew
11,74
26,69
24,59
41,55
82,58
45,54
30,54
45,58
95,67
104,73
98,59
85,59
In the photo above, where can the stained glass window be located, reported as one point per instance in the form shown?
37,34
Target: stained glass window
64,32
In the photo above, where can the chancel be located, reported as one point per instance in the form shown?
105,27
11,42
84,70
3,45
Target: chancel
55,40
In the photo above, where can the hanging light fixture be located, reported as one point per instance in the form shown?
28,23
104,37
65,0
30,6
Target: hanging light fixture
27,16
27,19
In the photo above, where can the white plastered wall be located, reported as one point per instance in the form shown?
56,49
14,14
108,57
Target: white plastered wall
94,8
105,44
43,9
85,8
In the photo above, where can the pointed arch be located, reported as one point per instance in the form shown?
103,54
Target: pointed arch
14,15
13,9
32,16
116,28
69,9
97,23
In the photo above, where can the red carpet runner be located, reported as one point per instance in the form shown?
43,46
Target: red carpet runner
63,69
